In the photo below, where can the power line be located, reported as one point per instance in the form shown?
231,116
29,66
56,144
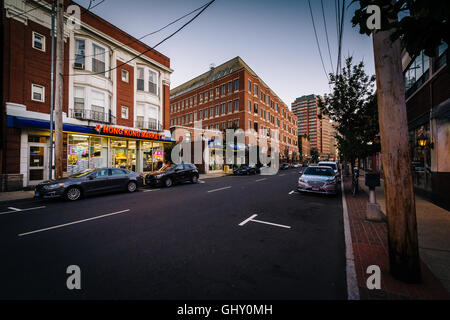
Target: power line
326,33
144,36
317,40
151,48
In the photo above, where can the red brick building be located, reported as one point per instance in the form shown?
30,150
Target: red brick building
232,95
103,86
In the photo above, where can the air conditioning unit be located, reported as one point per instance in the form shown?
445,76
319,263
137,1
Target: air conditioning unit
78,114
78,65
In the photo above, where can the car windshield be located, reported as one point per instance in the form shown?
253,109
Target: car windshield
317,171
82,173
331,165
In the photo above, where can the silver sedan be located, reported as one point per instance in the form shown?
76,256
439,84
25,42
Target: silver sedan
318,179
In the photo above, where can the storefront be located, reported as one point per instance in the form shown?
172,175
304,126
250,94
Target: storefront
87,147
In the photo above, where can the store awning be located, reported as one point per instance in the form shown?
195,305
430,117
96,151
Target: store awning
14,121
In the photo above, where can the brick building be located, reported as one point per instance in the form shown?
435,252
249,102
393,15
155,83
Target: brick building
115,111
314,124
233,95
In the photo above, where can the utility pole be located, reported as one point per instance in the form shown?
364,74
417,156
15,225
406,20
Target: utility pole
59,89
400,203
52,92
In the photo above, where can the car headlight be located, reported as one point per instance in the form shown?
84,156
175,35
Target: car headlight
159,176
55,186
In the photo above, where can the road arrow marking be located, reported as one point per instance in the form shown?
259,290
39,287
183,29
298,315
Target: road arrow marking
264,222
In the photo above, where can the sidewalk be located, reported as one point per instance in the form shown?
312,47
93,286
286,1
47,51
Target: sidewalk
212,175
16,195
370,247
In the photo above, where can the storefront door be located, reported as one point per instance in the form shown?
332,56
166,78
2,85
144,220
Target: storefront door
37,155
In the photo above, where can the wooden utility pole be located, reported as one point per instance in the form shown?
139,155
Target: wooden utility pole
59,82
398,185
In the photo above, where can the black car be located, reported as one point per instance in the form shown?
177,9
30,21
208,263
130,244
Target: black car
285,166
173,174
89,181
246,169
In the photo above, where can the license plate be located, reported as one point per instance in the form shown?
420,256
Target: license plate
315,188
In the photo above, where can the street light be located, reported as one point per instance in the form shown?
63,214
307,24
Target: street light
422,140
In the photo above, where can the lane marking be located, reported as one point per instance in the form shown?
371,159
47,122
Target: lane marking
291,192
20,210
150,190
201,181
261,179
214,190
74,222
264,222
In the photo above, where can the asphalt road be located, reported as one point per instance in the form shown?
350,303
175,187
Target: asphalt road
185,242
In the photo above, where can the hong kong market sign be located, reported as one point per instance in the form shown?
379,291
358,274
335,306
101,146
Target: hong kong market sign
128,133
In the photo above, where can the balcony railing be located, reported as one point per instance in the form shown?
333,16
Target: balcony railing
148,125
83,114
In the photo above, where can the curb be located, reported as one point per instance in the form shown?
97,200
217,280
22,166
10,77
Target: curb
352,282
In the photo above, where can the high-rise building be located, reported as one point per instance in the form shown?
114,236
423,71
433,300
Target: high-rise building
313,123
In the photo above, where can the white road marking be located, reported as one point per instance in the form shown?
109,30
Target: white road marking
150,190
201,181
247,220
261,179
264,222
20,210
71,223
214,190
291,192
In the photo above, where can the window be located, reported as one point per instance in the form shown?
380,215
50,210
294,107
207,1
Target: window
249,124
222,106
249,106
79,54
236,123
124,75
230,87
217,110
236,85
441,57
222,89
417,73
140,79
38,41
78,98
200,114
230,107
211,112
255,89
124,112
236,105
98,105
152,82
98,60
249,86
255,108
217,92
37,93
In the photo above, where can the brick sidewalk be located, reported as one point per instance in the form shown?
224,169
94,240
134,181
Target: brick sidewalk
370,248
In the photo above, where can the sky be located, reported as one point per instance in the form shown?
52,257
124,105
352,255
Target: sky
275,38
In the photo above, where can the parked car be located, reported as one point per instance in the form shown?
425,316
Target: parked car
318,179
284,166
88,182
332,165
173,174
246,169
296,165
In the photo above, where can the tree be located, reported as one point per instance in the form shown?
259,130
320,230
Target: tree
314,155
423,26
353,109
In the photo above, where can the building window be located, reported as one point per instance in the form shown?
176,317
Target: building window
230,87
140,79
79,54
236,105
37,93
255,108
416,73
222,89
78,99
152,82
230,107
124,112
98,106
124,75
38,41
217,92
249,106
441,56
236,85
255,89
249,86
217,110
98,60
222,111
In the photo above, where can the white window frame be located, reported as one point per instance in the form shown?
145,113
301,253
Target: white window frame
43,41
32,92
127,75
122,109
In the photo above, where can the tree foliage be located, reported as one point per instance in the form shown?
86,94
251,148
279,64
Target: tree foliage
419,24
352,107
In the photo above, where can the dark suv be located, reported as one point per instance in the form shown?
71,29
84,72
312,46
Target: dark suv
176,173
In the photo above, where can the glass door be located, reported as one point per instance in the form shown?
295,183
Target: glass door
36,164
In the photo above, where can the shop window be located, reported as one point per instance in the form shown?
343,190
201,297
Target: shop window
37,93
38,41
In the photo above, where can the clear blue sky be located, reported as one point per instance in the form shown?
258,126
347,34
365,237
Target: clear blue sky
275,38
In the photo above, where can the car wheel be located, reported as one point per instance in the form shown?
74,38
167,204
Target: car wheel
194,179
73,194
132,186
168,182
